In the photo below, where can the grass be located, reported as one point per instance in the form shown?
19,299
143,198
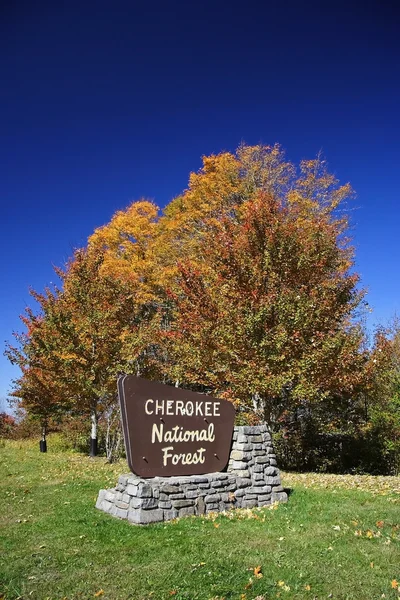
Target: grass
337,537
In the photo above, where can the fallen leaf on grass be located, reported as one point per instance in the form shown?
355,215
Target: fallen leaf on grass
307,587
257,572
173,593
395,584
380,524
99,593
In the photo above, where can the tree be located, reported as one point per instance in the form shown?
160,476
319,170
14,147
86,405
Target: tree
265,300
75,340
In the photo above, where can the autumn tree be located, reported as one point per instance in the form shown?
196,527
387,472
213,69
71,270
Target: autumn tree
382,400
265,302
76,338
39,390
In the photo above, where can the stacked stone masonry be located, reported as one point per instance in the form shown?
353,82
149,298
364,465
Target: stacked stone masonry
252,479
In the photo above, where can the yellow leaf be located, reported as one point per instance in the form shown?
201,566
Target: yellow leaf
257,572
380,524
99,593
395,584
307,587
371,564
281,583
369,534
216,525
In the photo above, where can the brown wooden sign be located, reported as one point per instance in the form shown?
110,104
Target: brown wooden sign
171,431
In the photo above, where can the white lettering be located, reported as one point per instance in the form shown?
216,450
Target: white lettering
159,407
179,407
157,430
188,458
166,454
189,405
148,412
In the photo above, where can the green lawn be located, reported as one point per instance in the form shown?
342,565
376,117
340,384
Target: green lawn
337,537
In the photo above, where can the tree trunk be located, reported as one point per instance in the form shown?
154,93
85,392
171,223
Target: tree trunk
93,433
43,442
113,435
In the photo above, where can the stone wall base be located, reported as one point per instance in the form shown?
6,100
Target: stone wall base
252,479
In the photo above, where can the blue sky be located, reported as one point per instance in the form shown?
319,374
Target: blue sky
102,103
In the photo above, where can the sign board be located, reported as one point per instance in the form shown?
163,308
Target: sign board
171,431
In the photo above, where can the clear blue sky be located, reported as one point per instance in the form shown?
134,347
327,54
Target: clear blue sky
103,102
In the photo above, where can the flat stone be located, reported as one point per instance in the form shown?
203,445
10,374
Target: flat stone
176,496
273,480
195,493
121,513
238,464
242,439
144,491
249,503
170,514
169,489
106,506
237,454
217,484
261,460
165,504
211,508
212,499
243,482
200,506
243,473
218,476
123,480
279,497
149,503
182,503
131,489
100,498
143,517
264,500
109,496
240,493
259,453
121,504
258,476
258,469
135,502
258,446
270,471
186,511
